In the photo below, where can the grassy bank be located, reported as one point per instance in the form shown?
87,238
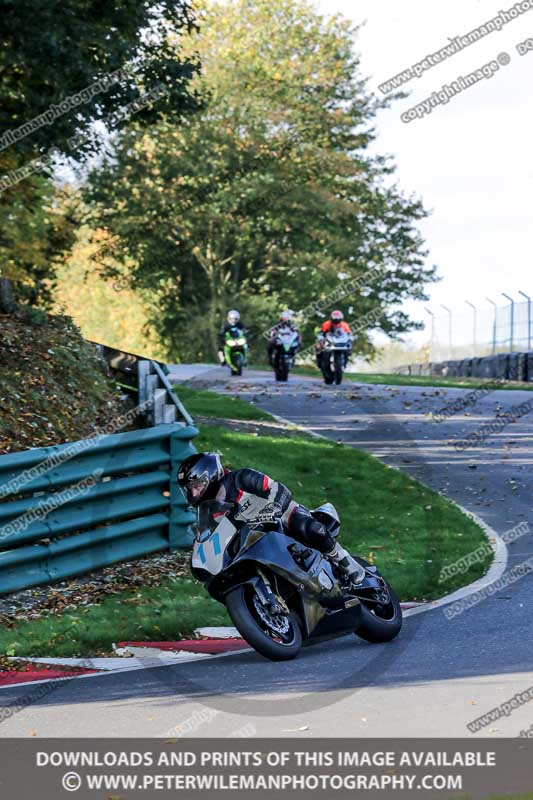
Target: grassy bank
52,387
409,531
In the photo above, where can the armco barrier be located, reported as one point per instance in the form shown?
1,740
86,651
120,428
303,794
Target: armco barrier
503,366
146,380
468,365
529,366
107,499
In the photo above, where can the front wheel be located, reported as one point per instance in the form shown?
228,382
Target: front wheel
381,613
329,376
276,636
237,364
282,370
339,366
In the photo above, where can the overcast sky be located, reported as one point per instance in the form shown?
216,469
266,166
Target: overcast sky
469,160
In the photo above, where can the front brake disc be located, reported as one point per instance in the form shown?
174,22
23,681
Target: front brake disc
279,623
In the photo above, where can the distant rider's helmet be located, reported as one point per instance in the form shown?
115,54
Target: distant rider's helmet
336,318
285,316
198,474
233,317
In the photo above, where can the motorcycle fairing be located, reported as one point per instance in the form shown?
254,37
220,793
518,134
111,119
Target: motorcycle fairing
321,604
209,554
288,339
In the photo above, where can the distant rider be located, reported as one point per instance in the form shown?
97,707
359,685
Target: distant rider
233,320
254,496
334,323
285,323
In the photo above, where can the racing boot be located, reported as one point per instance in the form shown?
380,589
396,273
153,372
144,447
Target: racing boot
346,563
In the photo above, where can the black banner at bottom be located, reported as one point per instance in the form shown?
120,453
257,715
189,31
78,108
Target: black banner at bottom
126,769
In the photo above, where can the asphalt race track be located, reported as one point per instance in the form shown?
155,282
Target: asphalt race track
439,675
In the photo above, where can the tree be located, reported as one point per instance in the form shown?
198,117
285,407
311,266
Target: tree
37,234
105,311
58,75
269,193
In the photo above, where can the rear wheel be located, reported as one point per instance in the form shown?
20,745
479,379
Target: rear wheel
381,613
276,636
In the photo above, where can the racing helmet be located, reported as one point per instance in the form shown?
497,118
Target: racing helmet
286,316
197,474
233,317
336,317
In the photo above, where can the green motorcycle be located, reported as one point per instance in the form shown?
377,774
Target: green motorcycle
235,350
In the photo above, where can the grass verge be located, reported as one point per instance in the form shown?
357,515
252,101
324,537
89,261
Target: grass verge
422,380
389,379
163,613
409,531
203,403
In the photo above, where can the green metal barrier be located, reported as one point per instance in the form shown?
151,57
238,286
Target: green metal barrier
71,508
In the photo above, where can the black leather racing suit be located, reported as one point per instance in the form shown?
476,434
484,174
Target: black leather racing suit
257,497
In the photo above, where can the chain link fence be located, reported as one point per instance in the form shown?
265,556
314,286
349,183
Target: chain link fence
476,331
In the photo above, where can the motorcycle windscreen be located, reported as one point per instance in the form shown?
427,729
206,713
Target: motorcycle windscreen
209,515
338,337
211,542
288,340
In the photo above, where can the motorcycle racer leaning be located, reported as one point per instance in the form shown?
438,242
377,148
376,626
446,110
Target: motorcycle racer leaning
256,497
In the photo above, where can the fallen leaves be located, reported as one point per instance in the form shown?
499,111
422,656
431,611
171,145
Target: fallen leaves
53,388
84,592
